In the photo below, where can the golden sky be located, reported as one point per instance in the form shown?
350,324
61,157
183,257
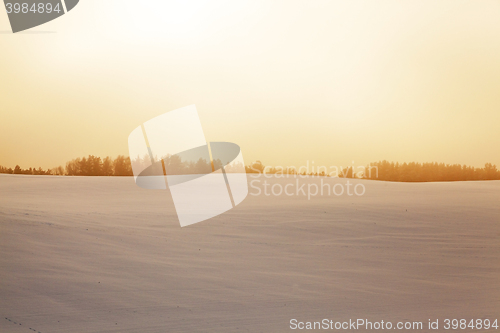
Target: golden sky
289,81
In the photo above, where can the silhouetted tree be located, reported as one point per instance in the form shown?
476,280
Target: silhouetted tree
122,166
107,166
255,167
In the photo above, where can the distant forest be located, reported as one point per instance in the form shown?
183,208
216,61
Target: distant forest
86,166
383,170
396,172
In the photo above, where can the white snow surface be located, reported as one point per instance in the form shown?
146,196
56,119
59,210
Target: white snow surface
99,254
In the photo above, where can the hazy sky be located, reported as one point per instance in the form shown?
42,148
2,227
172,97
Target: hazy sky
289,81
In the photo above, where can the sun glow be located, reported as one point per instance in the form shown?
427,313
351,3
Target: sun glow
171,20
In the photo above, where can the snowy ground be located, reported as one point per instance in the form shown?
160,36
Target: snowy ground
80,254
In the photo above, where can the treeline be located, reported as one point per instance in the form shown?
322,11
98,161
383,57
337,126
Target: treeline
86,166
390,171
122,166
174,165
429,172
383,170
317,171
31,171
95,166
